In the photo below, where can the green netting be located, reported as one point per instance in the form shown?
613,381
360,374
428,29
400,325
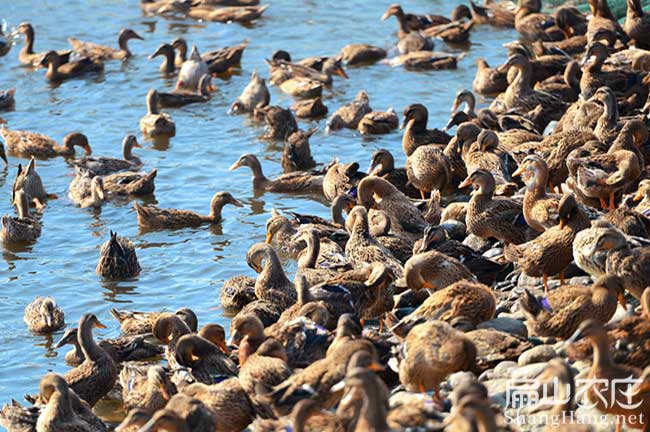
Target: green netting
618,7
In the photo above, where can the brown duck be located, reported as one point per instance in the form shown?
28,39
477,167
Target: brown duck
96,51
299,181
416,132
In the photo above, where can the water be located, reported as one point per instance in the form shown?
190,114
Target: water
183,267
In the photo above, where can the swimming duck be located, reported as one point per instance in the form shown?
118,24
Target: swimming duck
5,45
7,99
379,194
27,56
311,108
362,54
604,371
362,247
167,52
179,98
416,132
457,31
155,123
378,122
425,60
96,51
622,260
299,181
380,228
120,349
26,143
434,270
383,165
637,24
31,183
21,229
130,183
414,41
431,351
280,122
410,22
59,71
205,360
551,252
282,71
117,258
105,165
500,14
63,409
239,14
296,154
95,377
533,25
489,81
255,95
191,72
87,191
137,323
349,115
43,315
168,328
631,331
493,217
150,393
272,283
540,208
151,216
219,61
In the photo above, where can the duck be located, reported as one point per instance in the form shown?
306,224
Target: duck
151,216
431,351
551,252
565,87
305,414
462,298
416,132
26,144
219,61
604,19
299,181
21,229
169,419
642,196
484,153
637,25
594,77
321,258
457,31
282,71
57,70
296,154
5,45
255,95
155,123
434,270
96,51
382,164
227,400
310,108
43,315
487,216
167,52
205,360
280,122
7,98
27,56
305,305
181,97
341,179
520,94
121,349
425,60
135,418
247,334
138,323
191,72
239,14
349,115
378,122
100,166
604,371
414,41
533,25
271,283
150,393
380,228
375,193
93,378
16,417
500,14
130,183
540,209
631,330
561,312
30,182
117,258
87,191
410,22
622,260
489,81
362,54
64,410
168,328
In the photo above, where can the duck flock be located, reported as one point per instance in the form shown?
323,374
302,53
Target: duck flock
513,245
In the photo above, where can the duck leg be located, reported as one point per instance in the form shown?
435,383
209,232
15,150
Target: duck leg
612,207
603,203
423,193
545,279
562,280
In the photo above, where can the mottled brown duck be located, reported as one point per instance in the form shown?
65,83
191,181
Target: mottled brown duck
594,77
533,25
254,95
489,81
27,56
362,54
280,122
130,183
102,52
349,115
434,270
30,182
637,25
117,258
408,22
87,191
380,228
205,360
105,165
296,154
227,400
182,97
310,108
416,132
137,323
219,61
378,122
239,14
43,315
58,71
23,228
540,209
299,181
382,165
25,144
272,283
151,216
155,123
341,179
151,393
166,51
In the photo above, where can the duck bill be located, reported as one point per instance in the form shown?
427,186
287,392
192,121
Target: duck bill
467,182
269,238
428,285
48,320
137,145
234,166
562,223
136,36
637,197
236,202
63,341
405,123
376,367
519,171
234,339
340,72
100,325
385,16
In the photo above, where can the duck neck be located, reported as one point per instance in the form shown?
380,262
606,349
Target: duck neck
337,212
23,207
123,43
634,9
58,407
95,196
537,186
167,65
273,271
372,416
602,298
29,42
215,210
89,347
566,393
258,174
361,228
182,52
152,104
402,23
482,196
309,258
602,358
610,115
521,83
127,151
